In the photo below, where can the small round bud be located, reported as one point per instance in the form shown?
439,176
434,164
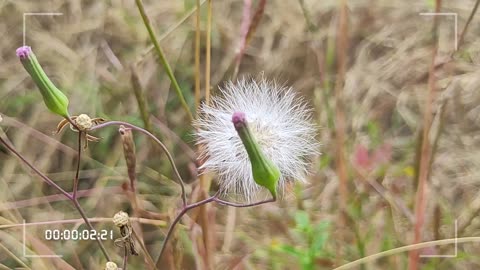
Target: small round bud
23,52
120,219
111,266
84,122
239,119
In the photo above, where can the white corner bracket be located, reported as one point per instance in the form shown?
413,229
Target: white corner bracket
455,16
454,255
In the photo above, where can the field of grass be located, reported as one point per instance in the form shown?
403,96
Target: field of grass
393,93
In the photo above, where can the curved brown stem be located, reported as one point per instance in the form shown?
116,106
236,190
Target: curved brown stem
213,198
50,182
146,132
39,173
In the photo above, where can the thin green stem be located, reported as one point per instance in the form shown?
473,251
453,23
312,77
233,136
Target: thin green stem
162,57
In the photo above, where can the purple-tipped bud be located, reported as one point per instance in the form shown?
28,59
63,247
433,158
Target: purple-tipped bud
239,119
55,100
23,52
264,171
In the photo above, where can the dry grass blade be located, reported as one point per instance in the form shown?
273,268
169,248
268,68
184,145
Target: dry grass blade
469,20
248,28
163,59
394,251
197,56
342,47
426,150
140,97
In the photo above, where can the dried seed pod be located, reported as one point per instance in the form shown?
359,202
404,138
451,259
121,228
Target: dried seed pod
120,219
111,266
84,122
129,153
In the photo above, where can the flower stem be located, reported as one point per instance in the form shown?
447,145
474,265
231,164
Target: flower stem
43,176
162,57
89,225
77,173
49,181
125,258
187,208
175,222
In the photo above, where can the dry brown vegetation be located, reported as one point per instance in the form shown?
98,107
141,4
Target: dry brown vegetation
371,70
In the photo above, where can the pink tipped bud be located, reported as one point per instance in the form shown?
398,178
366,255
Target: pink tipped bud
265,172
239,119
23,52
55,100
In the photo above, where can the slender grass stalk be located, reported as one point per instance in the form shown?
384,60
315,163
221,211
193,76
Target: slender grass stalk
340,161
342,45
248,27
140,97
208,51
467,24
163,59
197,56
204,179
308,18
426,150
169,31
13,256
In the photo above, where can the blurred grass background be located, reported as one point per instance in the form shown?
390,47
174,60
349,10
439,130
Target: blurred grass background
363,206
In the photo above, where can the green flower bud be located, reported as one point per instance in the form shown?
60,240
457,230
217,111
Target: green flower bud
55,100
265,172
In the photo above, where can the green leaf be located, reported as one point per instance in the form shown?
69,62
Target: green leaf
290,250
302,220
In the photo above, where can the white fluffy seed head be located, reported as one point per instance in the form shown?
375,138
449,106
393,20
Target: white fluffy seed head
279,120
